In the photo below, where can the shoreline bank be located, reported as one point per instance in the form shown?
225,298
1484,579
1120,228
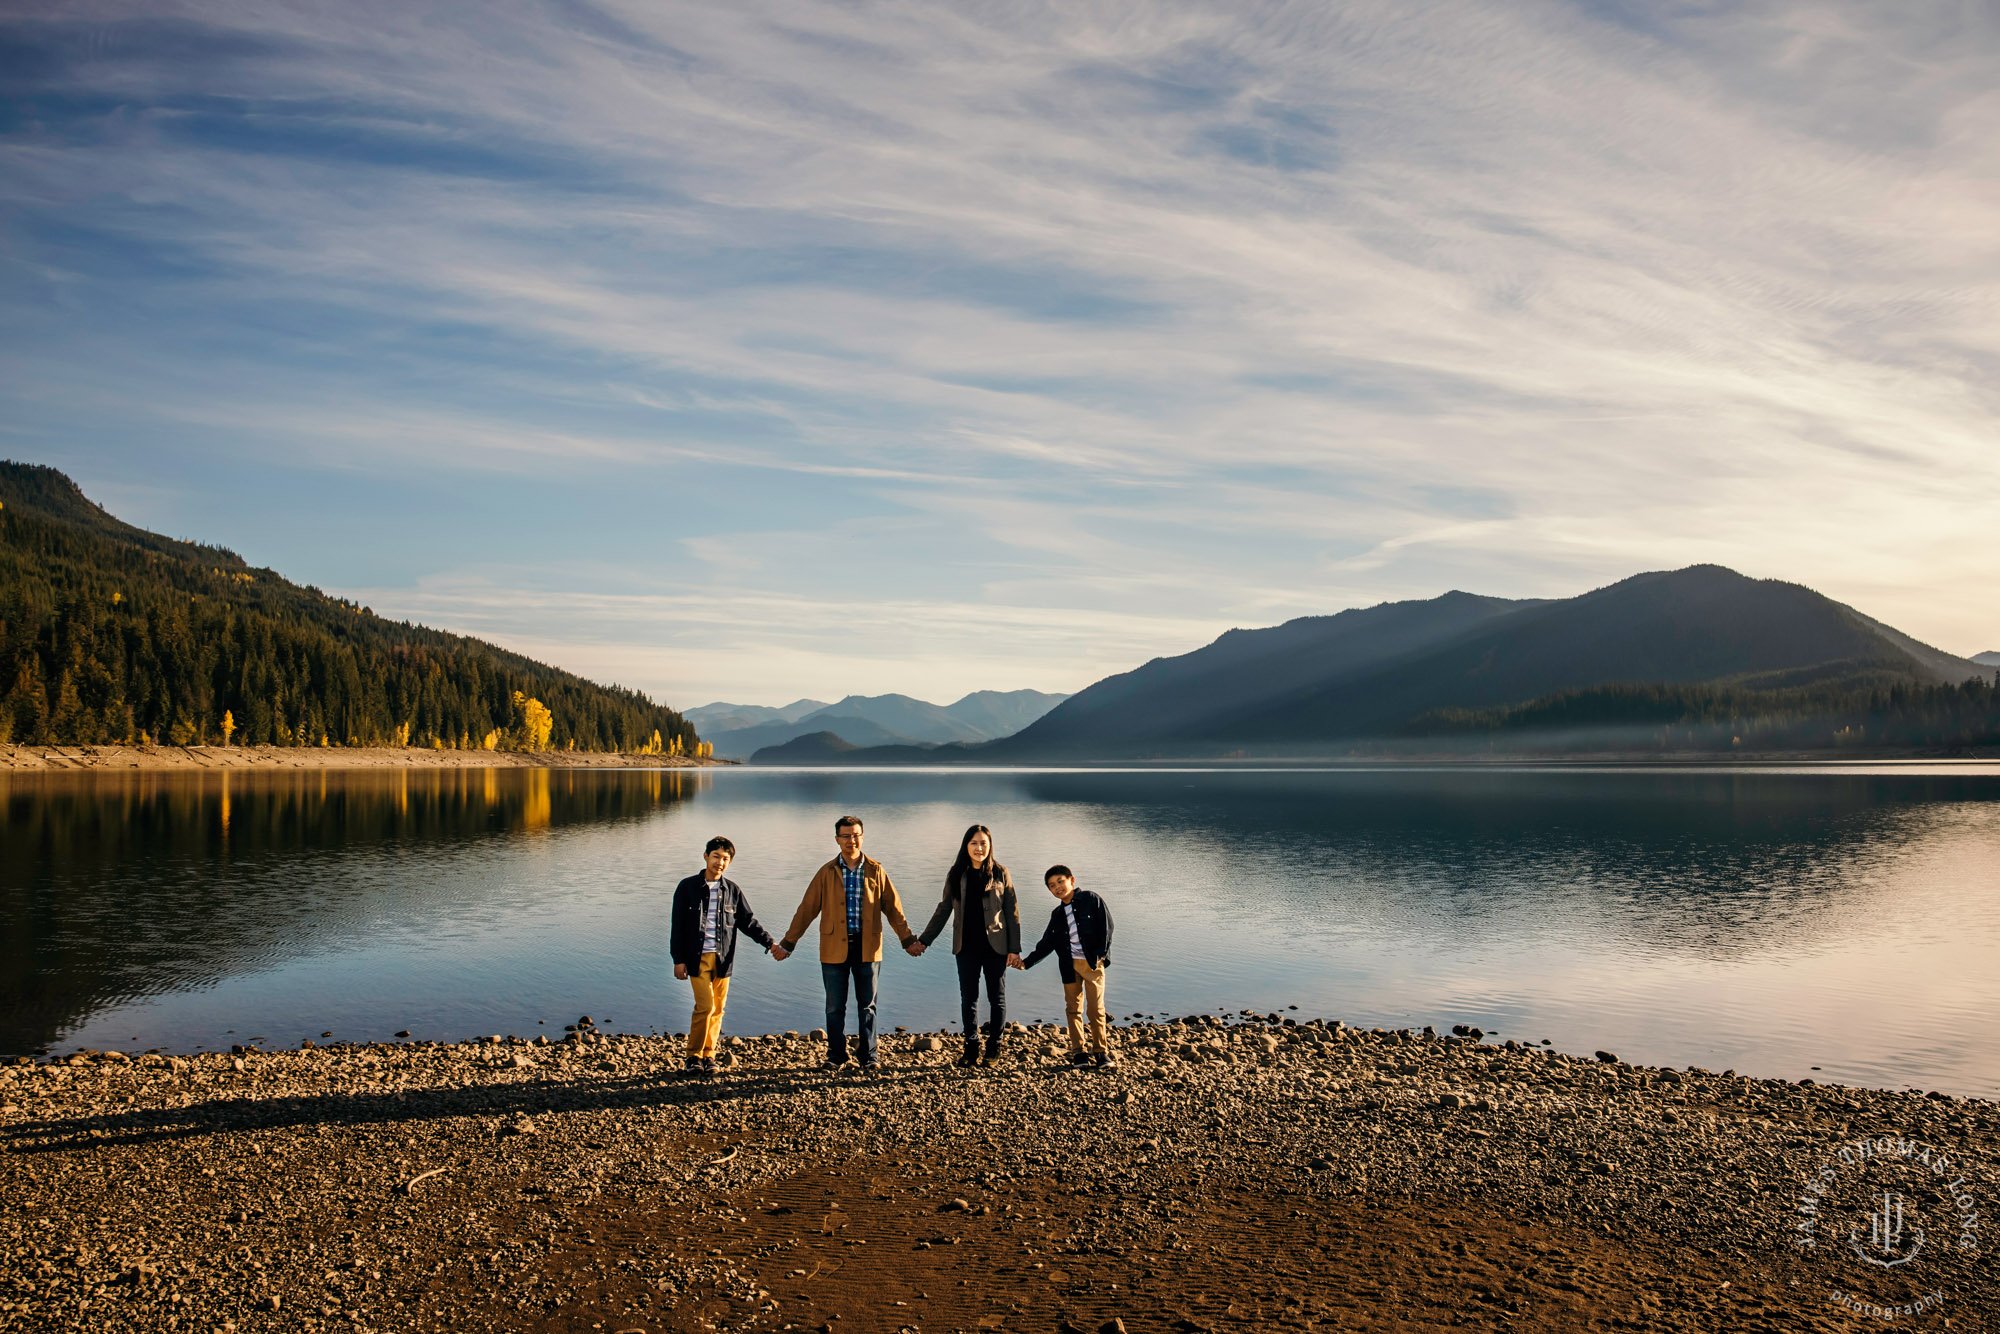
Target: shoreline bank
116,759
1916,760
1225,1175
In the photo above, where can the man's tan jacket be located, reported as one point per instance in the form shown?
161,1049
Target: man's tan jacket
826,899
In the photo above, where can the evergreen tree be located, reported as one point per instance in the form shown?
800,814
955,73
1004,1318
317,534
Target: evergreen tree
109,633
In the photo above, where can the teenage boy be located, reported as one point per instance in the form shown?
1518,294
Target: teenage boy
850,895
709,909
1079,935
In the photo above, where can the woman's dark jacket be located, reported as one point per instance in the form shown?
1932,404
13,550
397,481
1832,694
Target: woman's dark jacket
1093,927
999,911
684,942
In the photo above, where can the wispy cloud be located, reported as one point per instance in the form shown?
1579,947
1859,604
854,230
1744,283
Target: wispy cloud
1153,318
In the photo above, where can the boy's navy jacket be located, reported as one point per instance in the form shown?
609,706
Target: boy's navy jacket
685,941
1093,926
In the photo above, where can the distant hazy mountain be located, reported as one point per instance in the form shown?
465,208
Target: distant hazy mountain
718,718
1369,673
812,748
828,748
1991,658
998,713
747,741
882,720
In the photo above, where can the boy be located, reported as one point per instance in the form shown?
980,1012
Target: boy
708,911
1079,935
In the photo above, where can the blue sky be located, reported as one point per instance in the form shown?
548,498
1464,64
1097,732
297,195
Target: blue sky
756,351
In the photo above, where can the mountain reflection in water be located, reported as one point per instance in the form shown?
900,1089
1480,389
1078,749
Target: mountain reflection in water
1769,920
117,888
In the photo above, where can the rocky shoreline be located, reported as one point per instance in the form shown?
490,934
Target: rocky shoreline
116,759
1255,1173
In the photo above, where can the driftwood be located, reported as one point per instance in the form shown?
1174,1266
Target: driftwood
406,1187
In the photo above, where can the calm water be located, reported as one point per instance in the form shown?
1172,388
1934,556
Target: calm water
1770,921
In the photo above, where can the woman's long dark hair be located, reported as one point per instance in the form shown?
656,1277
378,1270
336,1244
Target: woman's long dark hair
963,866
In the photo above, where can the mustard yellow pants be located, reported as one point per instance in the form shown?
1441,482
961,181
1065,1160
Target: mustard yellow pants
1087,990
711,993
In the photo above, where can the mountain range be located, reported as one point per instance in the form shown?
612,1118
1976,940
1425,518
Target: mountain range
1470,664
110,633
740,730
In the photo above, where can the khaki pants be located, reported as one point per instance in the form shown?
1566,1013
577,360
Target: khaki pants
711,993
1087,990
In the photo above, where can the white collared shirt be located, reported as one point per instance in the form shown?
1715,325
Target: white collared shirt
1075,938
711,915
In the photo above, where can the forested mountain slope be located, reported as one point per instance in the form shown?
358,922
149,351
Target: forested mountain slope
109,633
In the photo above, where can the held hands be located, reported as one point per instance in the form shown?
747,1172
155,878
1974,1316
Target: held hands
1014,961
780,953
914,947
680,972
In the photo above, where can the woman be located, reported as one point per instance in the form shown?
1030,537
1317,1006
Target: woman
985,935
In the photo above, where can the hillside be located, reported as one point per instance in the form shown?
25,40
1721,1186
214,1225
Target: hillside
851,728
1990,658
109,633
878,720
1196,694
1488,667
827,748
812,748
1701,624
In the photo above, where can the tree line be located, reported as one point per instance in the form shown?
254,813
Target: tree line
108,639
1900,715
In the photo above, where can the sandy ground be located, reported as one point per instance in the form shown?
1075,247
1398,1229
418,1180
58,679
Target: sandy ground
1225,1176
113,758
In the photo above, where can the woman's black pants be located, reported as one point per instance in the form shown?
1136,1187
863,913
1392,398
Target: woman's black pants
975,958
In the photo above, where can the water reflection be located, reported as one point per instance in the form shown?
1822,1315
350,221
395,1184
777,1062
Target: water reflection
117,887
1765,920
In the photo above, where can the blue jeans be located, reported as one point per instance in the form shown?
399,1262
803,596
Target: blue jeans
836,975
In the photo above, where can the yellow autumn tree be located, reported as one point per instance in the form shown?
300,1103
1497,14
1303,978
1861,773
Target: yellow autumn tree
532,723
228,726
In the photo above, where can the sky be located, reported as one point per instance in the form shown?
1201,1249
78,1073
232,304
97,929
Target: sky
757,351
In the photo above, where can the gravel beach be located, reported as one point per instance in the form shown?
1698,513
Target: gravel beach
1258,1172
116,759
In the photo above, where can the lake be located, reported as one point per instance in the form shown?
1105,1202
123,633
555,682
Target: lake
1841,923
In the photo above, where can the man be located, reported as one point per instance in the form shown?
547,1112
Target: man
708,911
850,895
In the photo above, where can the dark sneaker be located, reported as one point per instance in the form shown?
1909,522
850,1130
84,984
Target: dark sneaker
694,1064
1082,1058
1104,1061
871,1066
708,1065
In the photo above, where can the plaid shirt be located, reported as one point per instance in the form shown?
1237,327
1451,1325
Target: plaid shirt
854,878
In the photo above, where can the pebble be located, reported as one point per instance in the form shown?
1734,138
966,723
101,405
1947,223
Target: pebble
1316,1109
